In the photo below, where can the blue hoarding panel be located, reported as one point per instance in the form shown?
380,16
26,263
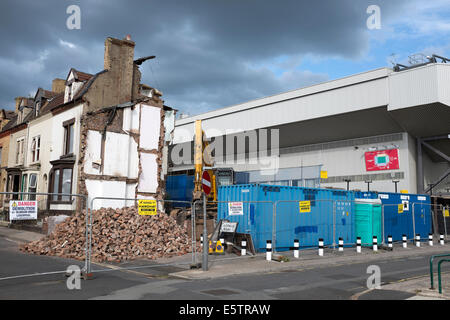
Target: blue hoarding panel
180,188
289,223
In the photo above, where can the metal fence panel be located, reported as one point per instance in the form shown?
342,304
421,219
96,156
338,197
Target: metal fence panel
308,225
145,229
256,219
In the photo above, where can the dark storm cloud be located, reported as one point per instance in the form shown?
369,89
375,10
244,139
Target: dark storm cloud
210,53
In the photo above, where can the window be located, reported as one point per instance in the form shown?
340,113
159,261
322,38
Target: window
19,150
24,187
32,186
38,108
35,149
61,181
68,136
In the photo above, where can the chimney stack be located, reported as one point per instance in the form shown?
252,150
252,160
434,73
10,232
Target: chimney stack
119,61
18,101
58,85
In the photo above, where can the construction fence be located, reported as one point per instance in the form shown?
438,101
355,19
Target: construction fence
284,221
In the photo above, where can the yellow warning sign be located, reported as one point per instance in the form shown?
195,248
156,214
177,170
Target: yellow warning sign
446,213
324,174
305,206
147,207
400,208
219,247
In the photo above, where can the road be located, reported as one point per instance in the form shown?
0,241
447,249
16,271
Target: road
329,282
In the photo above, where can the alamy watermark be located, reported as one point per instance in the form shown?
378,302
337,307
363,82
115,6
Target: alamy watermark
258,148
374,20
374,281
74,20
74,277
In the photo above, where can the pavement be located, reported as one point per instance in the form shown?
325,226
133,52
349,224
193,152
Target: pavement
19,235
416,287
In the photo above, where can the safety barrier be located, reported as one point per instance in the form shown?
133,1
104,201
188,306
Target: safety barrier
439,273
431,267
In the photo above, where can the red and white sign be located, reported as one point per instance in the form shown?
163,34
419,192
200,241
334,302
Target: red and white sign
236,209
382,160
206,182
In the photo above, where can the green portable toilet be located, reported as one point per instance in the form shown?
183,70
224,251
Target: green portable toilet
368,220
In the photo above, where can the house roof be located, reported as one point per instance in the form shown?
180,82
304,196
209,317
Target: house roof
11,123
80,76
9,114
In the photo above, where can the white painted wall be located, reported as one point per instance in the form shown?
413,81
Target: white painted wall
150,127
110,189
57,145
13,146
148,180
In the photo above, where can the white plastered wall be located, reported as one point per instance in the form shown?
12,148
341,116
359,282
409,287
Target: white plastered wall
150,131
57,145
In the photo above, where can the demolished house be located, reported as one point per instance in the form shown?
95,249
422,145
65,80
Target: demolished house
101,135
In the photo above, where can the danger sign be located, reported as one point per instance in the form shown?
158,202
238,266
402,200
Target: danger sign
305,206
22,210
235,209
147,207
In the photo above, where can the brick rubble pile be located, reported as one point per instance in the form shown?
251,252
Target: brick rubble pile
117,235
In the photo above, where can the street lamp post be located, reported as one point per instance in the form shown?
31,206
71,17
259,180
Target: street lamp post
395,182
368,184
348,183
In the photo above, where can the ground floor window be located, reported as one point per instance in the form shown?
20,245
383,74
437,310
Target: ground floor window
61,180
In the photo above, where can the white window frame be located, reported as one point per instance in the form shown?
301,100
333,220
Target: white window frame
36,149
20,150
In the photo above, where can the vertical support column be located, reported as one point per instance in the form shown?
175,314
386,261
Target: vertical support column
269,250
194,235
430,240
341,244
296,248
205,239
390,242
404,239
375,243
441,239
418,240
358,245
243,248
321,247
420,187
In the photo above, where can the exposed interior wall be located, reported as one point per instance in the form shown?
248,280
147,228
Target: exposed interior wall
151,143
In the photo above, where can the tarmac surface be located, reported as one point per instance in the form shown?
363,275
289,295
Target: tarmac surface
335,276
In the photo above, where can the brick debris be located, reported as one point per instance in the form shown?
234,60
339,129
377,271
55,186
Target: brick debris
117,235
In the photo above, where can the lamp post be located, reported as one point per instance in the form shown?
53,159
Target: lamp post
368,184
395,182
348,183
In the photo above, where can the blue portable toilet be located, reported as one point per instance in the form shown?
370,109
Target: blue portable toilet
398,222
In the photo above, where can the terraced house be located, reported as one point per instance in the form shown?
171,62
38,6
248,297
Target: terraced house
100,135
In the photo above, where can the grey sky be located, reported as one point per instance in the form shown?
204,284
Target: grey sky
209,53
